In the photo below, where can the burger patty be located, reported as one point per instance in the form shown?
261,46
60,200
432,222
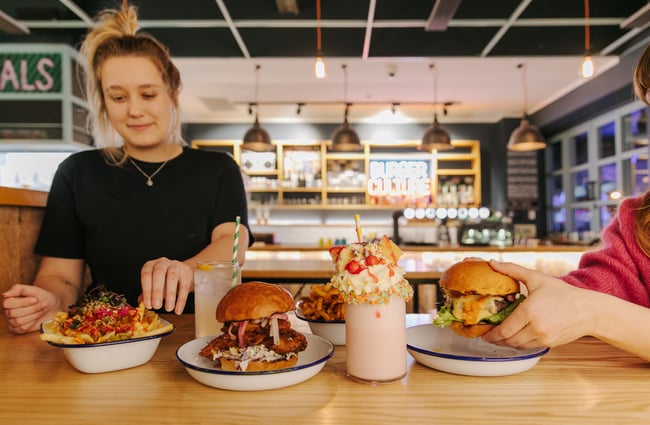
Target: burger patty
472,308
291,341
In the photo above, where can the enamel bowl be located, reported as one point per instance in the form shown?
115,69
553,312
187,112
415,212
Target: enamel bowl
333,331
114,355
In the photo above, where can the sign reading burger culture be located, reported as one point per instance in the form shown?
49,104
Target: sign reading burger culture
408,177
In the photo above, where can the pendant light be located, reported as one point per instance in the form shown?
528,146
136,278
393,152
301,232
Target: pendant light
435,138
345,138
587,67
319,65
526,137
256,138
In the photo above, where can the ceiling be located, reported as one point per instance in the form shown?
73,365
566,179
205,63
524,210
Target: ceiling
384,44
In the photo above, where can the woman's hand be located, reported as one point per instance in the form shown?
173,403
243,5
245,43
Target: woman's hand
26,306
166,280
554,312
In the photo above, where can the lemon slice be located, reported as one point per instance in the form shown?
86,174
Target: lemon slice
203,266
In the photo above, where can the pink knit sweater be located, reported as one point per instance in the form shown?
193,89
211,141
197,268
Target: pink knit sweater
619,268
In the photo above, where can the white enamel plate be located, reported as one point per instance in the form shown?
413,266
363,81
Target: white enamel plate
441,349
310,362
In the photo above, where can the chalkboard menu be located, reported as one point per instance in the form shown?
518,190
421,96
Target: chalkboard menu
522,180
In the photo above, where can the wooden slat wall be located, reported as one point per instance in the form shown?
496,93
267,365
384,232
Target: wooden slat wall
21,213
19,226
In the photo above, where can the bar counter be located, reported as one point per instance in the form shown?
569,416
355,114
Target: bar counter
583,382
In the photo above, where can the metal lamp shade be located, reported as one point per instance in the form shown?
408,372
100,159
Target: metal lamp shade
435,138
526,137
257,139
346,139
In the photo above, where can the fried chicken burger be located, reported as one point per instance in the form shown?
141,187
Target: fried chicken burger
477,298
256,334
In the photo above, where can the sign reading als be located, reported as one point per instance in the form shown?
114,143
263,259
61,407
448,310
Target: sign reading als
408,177
30,72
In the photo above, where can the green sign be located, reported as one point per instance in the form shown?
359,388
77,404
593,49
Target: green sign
30,73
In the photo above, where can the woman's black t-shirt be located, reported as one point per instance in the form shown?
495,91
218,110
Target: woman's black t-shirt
108,215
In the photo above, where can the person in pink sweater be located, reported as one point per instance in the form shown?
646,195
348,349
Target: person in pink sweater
607,297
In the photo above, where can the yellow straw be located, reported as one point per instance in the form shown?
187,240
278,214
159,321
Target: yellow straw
357,225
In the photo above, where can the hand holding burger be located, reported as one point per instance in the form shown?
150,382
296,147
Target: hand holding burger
257,334
477,298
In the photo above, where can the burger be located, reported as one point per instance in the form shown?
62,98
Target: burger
477,298
256,333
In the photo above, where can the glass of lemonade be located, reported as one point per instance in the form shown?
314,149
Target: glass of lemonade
375,341
212,279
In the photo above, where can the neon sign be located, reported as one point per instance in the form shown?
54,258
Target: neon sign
409,177
30,73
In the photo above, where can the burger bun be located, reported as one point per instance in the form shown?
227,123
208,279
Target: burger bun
259,365
470,331
254,300
476,276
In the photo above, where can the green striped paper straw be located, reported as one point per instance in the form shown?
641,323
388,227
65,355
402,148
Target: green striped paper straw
235,247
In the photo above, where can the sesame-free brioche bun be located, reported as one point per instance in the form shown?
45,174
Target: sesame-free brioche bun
259,365
254,300
476,276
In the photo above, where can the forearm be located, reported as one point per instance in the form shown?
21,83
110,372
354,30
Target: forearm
64,291
61,277
620,324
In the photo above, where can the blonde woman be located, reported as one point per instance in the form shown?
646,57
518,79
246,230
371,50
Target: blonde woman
143,208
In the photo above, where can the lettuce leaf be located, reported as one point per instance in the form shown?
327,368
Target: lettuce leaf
444,317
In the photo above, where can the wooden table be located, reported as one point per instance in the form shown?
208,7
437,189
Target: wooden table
583,382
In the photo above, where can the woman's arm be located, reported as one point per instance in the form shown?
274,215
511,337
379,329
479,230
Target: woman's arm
173,280
57,285
556,313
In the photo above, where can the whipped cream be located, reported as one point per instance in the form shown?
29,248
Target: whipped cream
368,273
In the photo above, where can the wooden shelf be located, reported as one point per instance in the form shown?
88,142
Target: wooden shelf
468,158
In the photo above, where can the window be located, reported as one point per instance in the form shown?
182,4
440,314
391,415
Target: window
607,179
606,214
558,197
635,129
582,219
582,187
604,157
558,220
580,149
607,140
636,175
556,156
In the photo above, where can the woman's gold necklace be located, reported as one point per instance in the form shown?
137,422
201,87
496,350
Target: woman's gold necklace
149,177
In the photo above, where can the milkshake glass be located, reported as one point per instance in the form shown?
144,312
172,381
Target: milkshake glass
375,341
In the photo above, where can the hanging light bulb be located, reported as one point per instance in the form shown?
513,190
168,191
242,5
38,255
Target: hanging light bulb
526,137
256,138
345,138
319,65
435,138
587,68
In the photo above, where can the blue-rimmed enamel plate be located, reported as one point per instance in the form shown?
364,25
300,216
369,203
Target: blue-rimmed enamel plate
310,362
442,349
